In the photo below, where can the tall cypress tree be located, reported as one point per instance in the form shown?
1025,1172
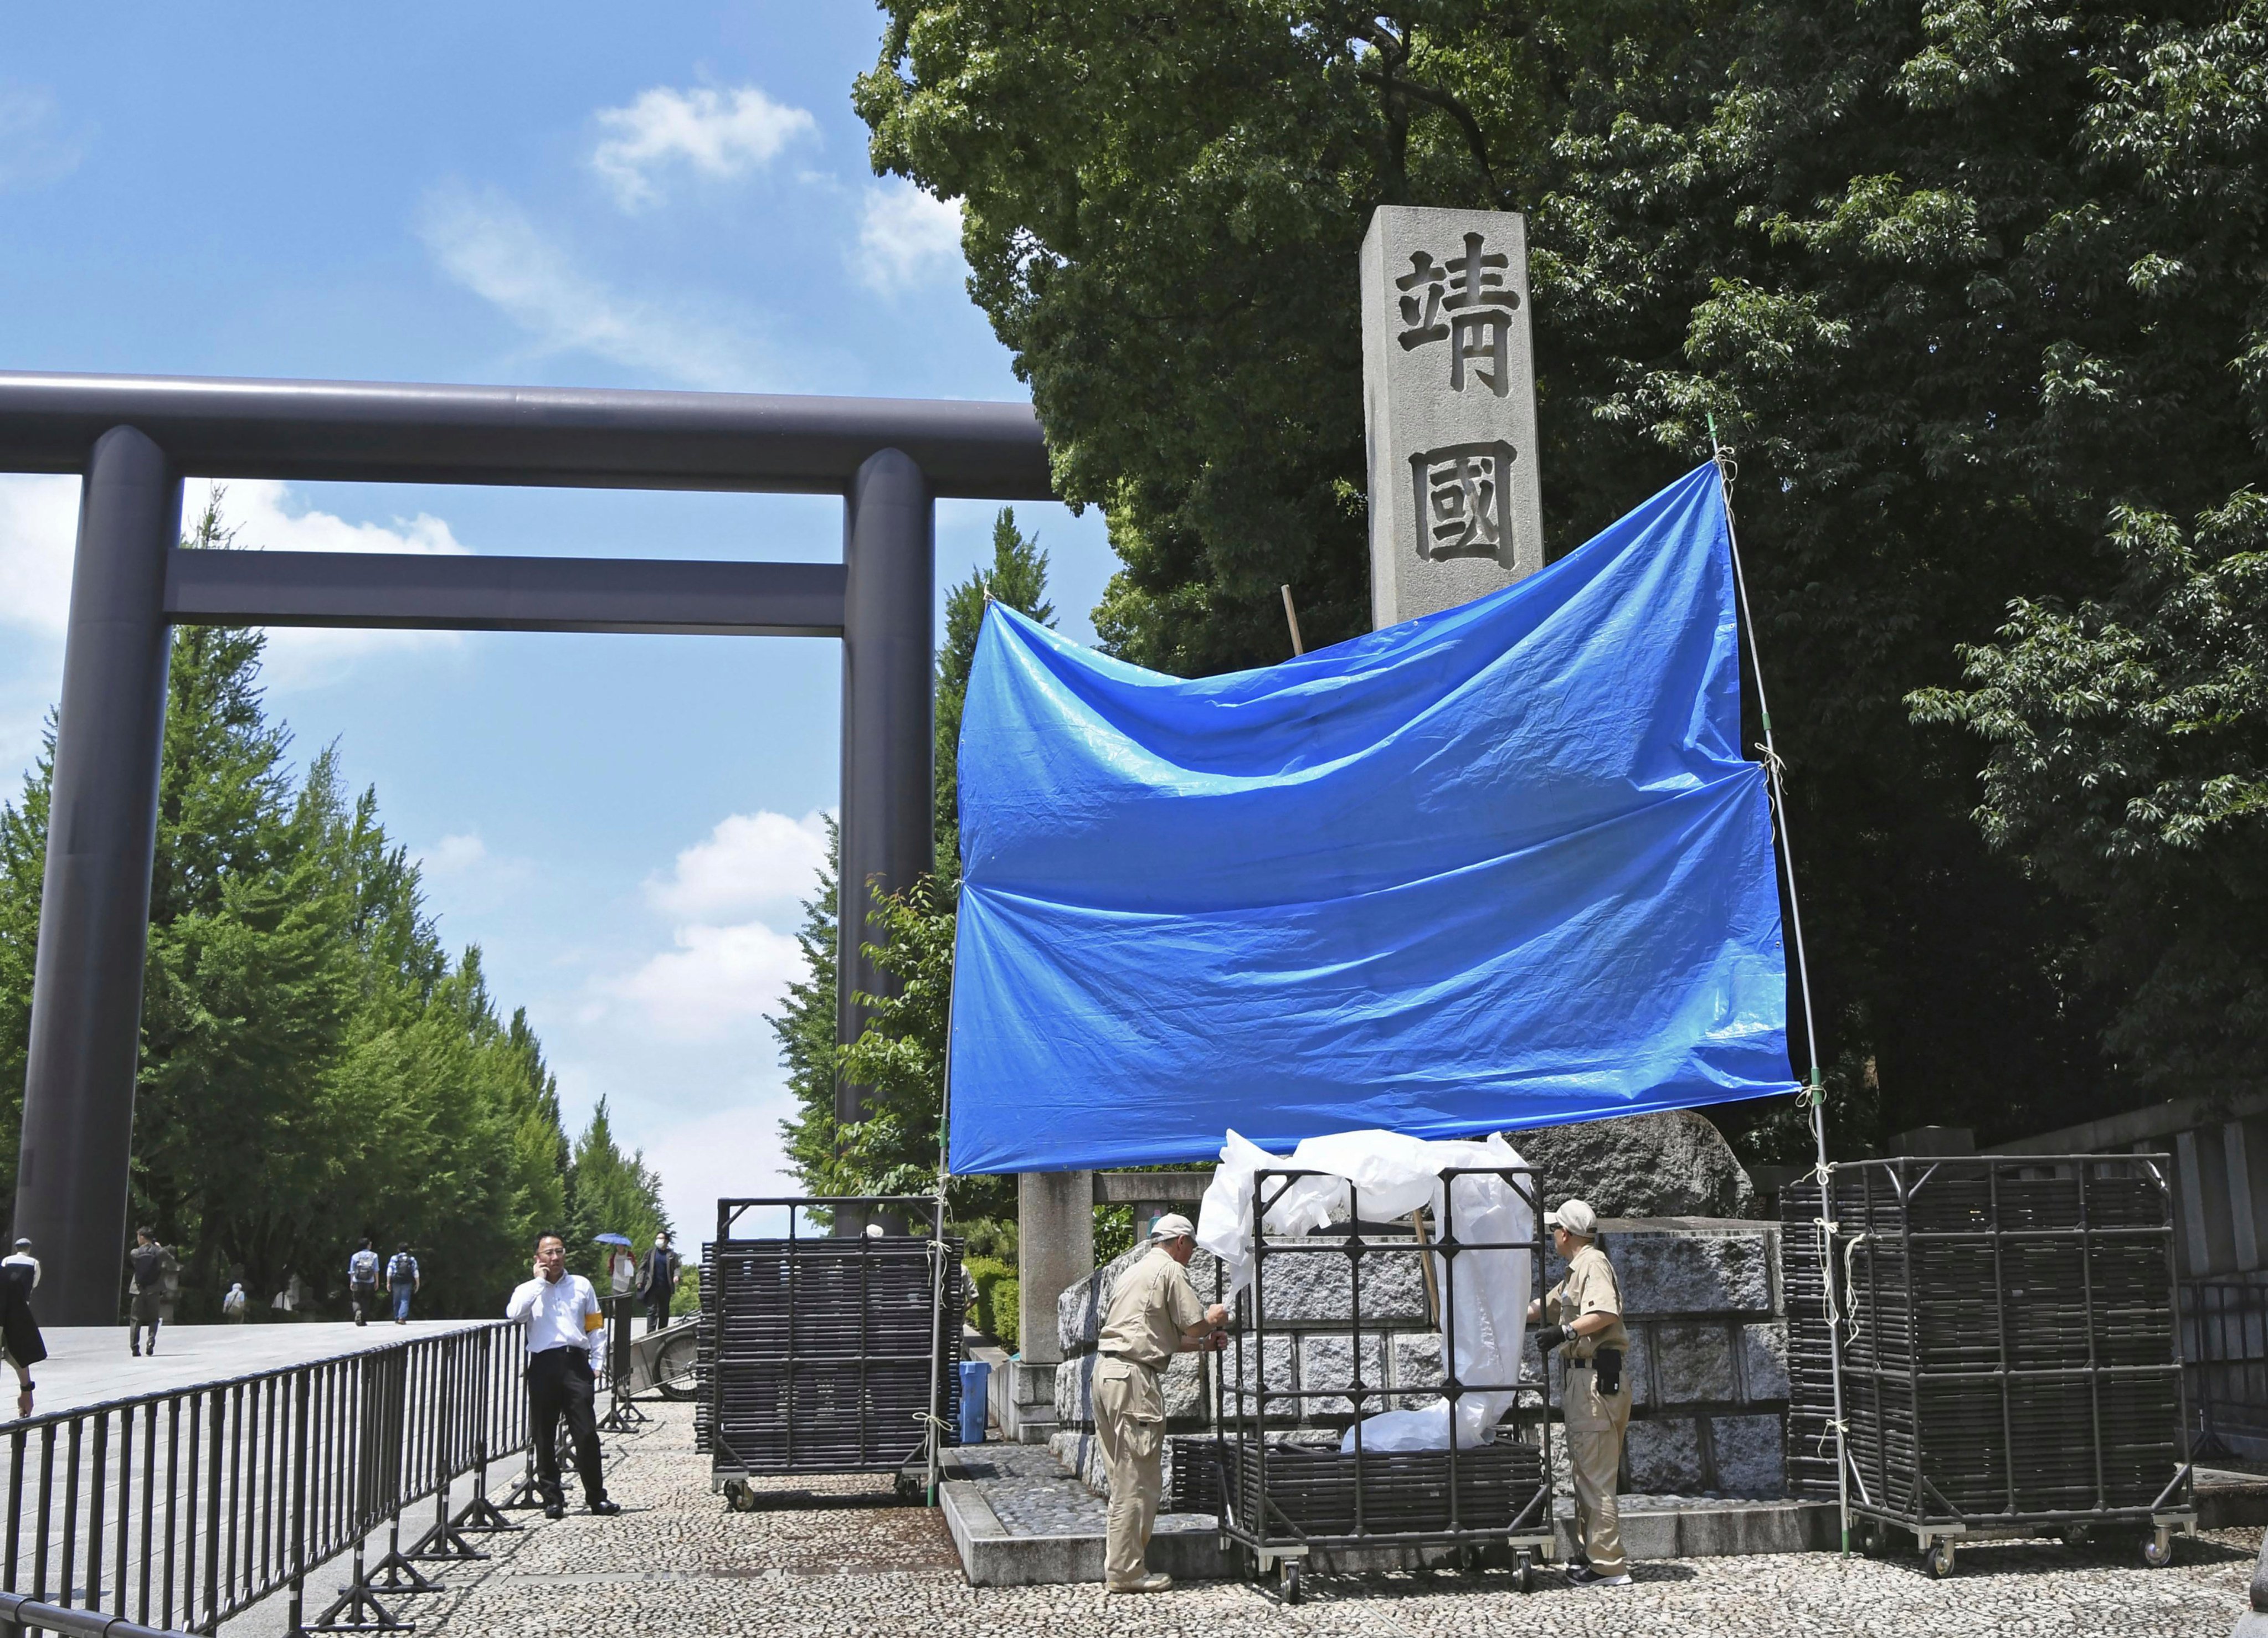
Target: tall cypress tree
609,1192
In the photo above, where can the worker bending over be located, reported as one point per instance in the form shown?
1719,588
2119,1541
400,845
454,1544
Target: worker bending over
1153,1315
1586,1315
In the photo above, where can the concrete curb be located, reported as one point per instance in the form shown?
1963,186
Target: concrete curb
992,1556
1717,1530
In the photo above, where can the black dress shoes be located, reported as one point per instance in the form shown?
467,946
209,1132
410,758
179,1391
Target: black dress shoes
554,1510
606,1509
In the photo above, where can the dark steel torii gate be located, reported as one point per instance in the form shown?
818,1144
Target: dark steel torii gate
133,439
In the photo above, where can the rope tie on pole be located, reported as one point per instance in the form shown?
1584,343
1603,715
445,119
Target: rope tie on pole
1813,1097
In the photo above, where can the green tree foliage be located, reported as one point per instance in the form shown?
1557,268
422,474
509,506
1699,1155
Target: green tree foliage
2130,770
1967,282
609,1192
1017,577
804,1029
314,1067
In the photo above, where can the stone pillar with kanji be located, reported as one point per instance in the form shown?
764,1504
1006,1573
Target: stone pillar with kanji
1449,401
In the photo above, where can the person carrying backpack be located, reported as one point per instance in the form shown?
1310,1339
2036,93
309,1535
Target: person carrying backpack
402,1281
236,1305
153,1265
361,1281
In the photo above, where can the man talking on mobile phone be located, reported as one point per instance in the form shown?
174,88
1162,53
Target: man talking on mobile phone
561,1314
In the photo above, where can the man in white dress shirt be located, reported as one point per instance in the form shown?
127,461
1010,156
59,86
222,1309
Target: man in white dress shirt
561,1313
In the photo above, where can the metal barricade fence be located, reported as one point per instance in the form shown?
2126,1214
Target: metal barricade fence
2225,1351
179,1510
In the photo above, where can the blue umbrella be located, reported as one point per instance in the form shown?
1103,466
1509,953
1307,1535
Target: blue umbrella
611,1239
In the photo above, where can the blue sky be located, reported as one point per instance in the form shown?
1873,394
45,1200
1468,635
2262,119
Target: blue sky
673,196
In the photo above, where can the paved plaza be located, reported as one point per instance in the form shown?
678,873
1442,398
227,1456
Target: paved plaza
844,1559
90,1364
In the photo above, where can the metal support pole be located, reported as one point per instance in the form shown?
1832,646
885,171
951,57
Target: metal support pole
1815,1092
94,919
889,549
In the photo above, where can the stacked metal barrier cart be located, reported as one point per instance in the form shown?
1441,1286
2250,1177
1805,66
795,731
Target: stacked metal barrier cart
1283,1500
2010,1362
827,1353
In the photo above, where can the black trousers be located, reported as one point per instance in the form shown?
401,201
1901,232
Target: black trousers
560,1384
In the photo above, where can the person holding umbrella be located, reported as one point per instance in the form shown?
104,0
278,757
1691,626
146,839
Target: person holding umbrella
622,1268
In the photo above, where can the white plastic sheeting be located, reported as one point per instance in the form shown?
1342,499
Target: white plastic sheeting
1393,1176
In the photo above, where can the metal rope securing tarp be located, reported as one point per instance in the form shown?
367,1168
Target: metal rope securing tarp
1496,867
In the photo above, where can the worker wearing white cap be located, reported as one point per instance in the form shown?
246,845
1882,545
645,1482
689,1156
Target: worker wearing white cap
1154,1314
1586,1314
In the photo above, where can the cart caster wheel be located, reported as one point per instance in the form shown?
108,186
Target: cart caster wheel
740,1496
1288,1576
2158,1550
1941,1560
1523,1572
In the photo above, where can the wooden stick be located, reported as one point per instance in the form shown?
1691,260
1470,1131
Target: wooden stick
1426,1262
1291,619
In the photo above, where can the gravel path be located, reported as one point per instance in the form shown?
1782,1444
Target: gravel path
841,1559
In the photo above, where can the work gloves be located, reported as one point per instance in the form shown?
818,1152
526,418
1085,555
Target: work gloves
1550,1337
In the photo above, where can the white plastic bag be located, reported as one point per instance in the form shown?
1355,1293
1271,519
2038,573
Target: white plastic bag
1392,1176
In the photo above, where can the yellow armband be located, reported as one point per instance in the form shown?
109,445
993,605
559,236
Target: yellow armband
593,1322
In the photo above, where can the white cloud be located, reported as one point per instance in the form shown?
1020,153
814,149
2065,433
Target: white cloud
715,982
488,245
750,862
905,235
732,1152
33,151
726,966
454,854
267,515
39,525
716,134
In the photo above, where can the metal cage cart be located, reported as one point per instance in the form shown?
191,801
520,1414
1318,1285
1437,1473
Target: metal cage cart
2010,1356
1282,1501
827,1353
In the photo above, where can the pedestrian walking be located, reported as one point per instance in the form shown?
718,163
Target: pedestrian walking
401,1278
22,1265
561,1314
621,1271
19,1339
362,1281
1585,1311
236,1305
1154,1314
658,1283
291,1294
152,1264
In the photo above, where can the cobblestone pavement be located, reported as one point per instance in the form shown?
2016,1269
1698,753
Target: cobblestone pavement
842,1560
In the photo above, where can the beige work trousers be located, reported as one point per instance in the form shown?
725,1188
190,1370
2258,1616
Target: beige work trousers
1595,1425
1130,1425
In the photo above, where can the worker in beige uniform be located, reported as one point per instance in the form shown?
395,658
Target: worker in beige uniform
1153,1315
1585,1311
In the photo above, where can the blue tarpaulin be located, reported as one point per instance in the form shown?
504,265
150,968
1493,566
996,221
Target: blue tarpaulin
1497,867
